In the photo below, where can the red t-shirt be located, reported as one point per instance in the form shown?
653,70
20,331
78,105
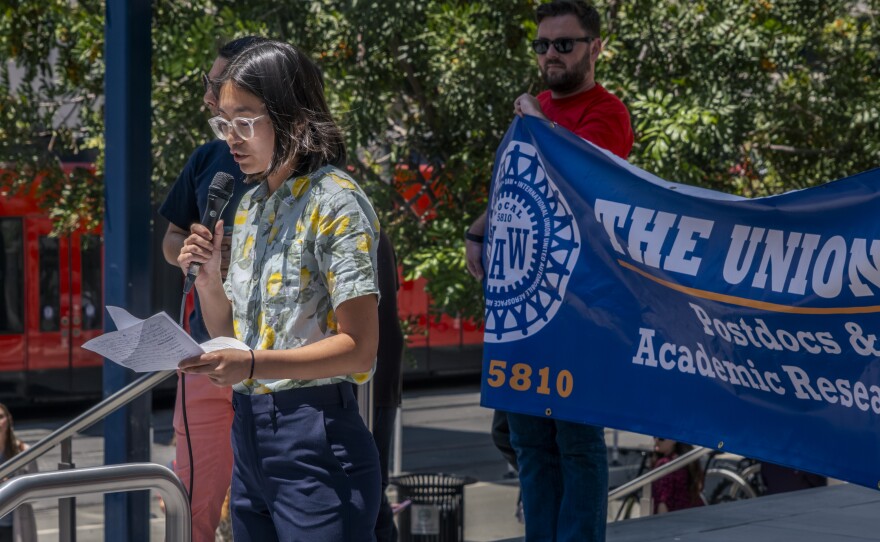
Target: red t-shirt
595,115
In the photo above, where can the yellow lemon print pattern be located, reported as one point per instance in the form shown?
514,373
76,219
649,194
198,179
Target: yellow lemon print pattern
273,285
324,225
248,246
360,378
325,214
331,321
335,227
305,276
314,219
299,187
268,335
343,182
364,242
331,282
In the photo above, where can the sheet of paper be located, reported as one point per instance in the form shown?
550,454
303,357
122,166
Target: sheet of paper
154,344
122,318
219,343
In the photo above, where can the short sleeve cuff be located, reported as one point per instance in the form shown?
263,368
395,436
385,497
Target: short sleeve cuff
351,291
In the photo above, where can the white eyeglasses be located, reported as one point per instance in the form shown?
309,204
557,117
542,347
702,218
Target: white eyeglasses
243,127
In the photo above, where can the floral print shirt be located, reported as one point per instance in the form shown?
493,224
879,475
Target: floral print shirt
297,254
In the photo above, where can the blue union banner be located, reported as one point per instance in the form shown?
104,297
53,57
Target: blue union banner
616,298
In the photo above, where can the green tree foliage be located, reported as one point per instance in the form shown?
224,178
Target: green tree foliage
426,90
753,97
51,111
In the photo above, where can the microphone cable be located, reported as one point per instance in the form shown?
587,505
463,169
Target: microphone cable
219,192
189,449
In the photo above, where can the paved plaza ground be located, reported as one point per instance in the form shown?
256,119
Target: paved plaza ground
446,431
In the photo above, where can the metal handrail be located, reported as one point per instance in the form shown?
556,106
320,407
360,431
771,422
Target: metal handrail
649,477
107,479
84,421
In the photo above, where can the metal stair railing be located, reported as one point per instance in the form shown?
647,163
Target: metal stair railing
64,436
651,476
106,479
85,420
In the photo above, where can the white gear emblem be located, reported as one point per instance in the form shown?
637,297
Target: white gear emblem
532,247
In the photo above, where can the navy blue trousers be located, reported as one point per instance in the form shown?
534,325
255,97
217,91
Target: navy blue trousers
306,468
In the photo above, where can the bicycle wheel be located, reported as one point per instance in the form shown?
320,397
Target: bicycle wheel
629,508
725,485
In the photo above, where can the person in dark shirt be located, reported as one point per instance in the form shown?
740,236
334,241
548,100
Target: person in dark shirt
387,380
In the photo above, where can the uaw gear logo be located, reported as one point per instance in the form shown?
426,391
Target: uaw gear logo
532,247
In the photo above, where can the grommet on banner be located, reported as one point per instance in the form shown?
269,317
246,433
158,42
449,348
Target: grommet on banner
548,412
721,445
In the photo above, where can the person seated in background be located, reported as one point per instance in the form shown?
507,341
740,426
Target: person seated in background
20,525
679,489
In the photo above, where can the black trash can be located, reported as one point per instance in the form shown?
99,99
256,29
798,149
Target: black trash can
437,510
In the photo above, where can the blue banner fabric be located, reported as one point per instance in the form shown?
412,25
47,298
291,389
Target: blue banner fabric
619,299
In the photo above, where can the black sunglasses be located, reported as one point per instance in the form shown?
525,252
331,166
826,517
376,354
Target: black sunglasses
562,45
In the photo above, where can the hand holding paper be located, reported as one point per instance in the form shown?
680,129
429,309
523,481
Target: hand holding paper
154,344
224,366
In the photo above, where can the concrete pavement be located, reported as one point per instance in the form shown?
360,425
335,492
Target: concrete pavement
446,431
88,451
838,513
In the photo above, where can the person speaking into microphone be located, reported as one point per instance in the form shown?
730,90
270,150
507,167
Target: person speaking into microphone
202,423
219,194
302,293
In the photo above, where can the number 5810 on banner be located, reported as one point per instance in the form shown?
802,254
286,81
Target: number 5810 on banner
519,378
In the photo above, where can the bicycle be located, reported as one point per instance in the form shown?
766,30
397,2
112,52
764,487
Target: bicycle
632,502
726,478
730,478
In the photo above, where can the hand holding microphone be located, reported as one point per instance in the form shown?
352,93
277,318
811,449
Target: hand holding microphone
205,241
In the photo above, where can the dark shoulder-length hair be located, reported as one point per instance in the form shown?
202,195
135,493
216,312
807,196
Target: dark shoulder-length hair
12,446
695,472
290,85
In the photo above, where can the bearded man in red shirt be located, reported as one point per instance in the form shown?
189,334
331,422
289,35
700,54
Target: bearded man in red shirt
563,466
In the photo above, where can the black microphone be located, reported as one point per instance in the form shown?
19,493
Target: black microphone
219,194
